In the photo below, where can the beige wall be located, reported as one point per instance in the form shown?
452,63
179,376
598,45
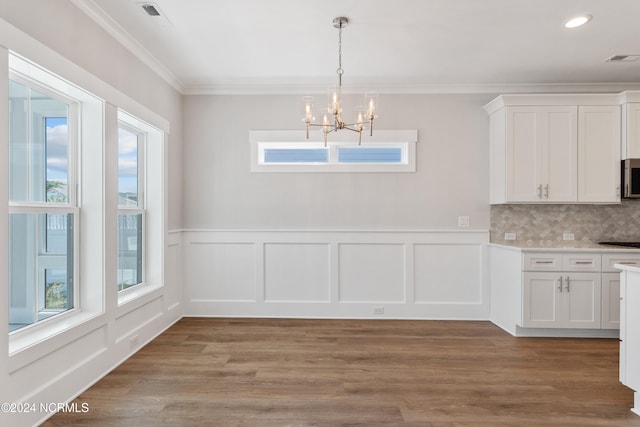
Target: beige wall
451,179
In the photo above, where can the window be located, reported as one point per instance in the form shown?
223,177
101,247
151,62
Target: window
54,221
140,225
43,213
289,151
130,206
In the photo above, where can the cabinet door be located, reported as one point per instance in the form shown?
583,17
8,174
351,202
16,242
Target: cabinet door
560,155
541,154
599,154
581,296
632,131
523,154
610,301
632,335
541,299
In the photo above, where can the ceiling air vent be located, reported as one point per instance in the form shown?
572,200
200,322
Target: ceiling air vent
150,9
623,58
153,10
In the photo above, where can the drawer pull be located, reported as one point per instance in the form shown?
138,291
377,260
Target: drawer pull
544,262
584,262
628,262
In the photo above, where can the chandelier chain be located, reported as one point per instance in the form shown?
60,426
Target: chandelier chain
340,71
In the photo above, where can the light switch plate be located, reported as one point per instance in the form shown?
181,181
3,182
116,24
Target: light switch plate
509,236
463,221
568,236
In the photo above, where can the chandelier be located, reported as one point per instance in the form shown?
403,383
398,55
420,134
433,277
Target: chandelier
332,120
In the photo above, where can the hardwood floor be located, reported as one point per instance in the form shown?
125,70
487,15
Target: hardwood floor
281,372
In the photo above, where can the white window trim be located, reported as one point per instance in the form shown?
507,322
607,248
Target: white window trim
88,293
404,139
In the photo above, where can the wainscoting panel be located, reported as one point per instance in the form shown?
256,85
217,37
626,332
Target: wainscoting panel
447,273
372,273
336,274
229,269
296,272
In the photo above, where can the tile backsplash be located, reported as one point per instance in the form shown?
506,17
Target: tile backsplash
545,224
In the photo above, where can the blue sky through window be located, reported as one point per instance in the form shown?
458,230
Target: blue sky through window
127,161
57,149
296,155
369,155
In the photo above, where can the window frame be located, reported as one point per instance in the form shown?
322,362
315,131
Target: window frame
71,206
23,344
140,207
404,139
152,189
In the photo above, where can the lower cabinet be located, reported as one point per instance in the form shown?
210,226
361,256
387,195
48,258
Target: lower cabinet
561,300
630,333
573,290
610,301
567,292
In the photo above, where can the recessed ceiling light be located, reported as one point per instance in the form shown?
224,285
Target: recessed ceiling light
577,21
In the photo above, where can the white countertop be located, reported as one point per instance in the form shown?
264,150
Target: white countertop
569,245
627,268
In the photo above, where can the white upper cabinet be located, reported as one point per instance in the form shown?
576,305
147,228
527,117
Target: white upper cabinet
630,101
554,149
541,154
599,154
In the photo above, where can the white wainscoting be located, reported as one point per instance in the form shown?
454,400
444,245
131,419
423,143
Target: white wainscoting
336,274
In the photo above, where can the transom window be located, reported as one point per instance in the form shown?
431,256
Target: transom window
287,151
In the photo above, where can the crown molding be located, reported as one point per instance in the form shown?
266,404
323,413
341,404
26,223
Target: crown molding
97,14
269,88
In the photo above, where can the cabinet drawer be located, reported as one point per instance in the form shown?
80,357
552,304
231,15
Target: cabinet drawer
580,261
609,260
541,261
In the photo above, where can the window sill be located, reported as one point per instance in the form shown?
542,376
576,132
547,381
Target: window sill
135,292
32,343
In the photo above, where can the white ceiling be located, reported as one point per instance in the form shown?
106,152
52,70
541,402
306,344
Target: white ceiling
255,46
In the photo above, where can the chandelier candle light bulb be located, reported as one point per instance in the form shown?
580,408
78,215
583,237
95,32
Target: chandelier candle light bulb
363,114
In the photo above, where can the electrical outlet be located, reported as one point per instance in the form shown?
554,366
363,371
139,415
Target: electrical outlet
509,236
134,341
463,221
378,310
568,236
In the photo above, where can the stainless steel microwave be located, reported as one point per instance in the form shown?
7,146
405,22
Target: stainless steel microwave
630,178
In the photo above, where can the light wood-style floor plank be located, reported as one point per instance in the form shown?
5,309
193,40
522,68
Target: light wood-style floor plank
291,372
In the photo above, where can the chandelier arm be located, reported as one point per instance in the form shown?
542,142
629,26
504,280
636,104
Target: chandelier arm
320,125
351,129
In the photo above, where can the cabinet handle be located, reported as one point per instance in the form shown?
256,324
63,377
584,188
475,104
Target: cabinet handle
618,192
540,191
584,262
544,262
628,263
567,288
546,191
560,281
